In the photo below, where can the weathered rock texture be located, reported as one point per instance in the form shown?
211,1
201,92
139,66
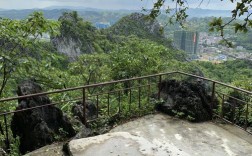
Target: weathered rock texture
67,46
76,36
103,125
38,127
185,100
137,24
78,113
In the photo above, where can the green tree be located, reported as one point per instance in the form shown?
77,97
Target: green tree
82,32
15,38
139,57
90,69
179,14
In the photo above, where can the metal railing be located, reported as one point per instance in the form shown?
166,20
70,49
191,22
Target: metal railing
122,95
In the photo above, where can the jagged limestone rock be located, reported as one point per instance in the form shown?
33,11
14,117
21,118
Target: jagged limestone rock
69,47
41,126
142,26
78,113
137,24
76,36
186,100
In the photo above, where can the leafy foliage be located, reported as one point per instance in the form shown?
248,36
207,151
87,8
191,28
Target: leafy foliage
241,10
15,38
114,56
228,72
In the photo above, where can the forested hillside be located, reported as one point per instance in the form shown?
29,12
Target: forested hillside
110,52
80,54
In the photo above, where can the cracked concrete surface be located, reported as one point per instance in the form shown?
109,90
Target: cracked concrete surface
157,135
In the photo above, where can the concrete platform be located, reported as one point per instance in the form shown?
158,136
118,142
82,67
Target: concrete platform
161,135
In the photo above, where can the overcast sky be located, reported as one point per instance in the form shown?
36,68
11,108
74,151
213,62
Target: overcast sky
108,4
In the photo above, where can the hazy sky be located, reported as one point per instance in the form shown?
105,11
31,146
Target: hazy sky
108,4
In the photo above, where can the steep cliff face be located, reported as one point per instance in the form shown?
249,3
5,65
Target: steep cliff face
67,46
80,37
137,24
76,36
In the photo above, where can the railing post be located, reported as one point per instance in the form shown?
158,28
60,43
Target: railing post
233,112
149,90
130,94
1,129
246,120
119,100
213,95
108,103
222,106
7,141
139,94
97,106
159,87
84,105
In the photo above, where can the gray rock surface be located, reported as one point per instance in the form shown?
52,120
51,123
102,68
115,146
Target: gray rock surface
162,135
49,150
78,113
67,46
38,127
186,100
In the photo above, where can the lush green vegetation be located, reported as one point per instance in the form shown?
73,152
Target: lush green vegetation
237,72
112,56
218,24
244,40
115,57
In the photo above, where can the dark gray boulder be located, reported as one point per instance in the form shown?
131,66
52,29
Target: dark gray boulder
186,100
41,126
91,110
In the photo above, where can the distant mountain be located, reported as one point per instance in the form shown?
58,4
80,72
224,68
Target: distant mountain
71,8
98,15
21,14
205,13
53,12
208,13
88,9
88,14
140,25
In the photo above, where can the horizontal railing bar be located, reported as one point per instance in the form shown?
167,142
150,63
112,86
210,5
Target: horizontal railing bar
245,102
5,113
119,90
218,82
232,123
86,86
218,94
26,109
119,81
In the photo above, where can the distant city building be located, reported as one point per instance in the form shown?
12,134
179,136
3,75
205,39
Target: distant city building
187,41
102,25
